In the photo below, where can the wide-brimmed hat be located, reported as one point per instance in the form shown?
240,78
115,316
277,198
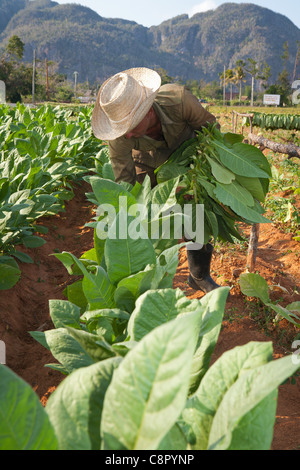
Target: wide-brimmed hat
123,101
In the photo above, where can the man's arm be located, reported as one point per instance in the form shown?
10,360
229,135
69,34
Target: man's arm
122,161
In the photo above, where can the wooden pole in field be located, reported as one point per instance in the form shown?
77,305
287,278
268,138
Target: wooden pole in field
33,78
252,250
47,79
224,86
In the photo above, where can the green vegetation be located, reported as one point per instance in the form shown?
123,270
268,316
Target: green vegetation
194,48
41,156
139,377
214,170
254,285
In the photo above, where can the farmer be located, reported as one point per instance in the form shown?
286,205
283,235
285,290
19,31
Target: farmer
144,123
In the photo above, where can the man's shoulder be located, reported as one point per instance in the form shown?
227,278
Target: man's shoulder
170,94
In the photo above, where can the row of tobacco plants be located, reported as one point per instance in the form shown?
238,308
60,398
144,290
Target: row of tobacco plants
136,352
42,152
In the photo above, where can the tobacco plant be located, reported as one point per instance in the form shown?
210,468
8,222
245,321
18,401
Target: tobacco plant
139,377
230,178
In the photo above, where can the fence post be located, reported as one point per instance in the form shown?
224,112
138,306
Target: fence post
2,92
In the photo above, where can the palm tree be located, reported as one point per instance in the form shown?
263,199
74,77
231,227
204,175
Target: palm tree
239,75
229,78
256,71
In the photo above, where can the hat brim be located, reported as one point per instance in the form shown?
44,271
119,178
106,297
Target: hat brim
104,128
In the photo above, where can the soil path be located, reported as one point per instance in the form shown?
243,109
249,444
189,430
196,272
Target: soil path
25,307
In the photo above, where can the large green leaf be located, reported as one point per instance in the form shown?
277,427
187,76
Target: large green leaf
24,424
239,404
125,255
234,191
233,198
203,405
64,313
243,159
168,172
254,186
67,350
220,173
75,409
163,197
254,285
213,305
94,345
153,383
131,287
107,191
98,290
156,307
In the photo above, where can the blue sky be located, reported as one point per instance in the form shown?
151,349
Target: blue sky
154,12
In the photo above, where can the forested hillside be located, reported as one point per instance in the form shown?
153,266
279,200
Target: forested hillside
77,38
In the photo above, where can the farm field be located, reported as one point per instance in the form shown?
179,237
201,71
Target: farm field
24,307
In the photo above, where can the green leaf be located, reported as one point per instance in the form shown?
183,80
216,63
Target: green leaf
75,409
67,350
98,290
254,186
75,295
163,197
231,138
23,257
220,173
202,407
107,191
168,172
156,307
213,305
233,191
131,287
64,313
294,306
234,198
95,345
24,424
125,256
33,241
245,394
9,272
174,440
254,285
153,382
285,313
244,160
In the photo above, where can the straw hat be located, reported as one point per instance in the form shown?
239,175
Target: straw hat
123,101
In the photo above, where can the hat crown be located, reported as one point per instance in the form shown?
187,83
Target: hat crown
119,96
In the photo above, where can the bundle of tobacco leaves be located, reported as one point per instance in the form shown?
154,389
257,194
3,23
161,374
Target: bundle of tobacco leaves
230,178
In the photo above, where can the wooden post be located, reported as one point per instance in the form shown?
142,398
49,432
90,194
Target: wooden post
33,78
252,249
47,80
236,114
224,87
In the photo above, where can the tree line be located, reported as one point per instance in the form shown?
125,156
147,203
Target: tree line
43,80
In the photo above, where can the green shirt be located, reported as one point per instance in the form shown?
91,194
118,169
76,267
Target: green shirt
180,114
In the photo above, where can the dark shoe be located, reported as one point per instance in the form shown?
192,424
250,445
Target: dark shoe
199,266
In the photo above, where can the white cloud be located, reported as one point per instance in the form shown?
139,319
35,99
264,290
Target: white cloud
203,6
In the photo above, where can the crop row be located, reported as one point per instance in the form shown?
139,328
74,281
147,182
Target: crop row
42,152
136,354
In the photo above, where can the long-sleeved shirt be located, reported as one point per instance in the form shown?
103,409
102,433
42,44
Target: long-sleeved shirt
180,114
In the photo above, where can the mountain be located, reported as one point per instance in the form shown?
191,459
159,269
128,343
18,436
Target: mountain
78,39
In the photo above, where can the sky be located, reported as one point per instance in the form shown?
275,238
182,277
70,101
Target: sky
153,12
